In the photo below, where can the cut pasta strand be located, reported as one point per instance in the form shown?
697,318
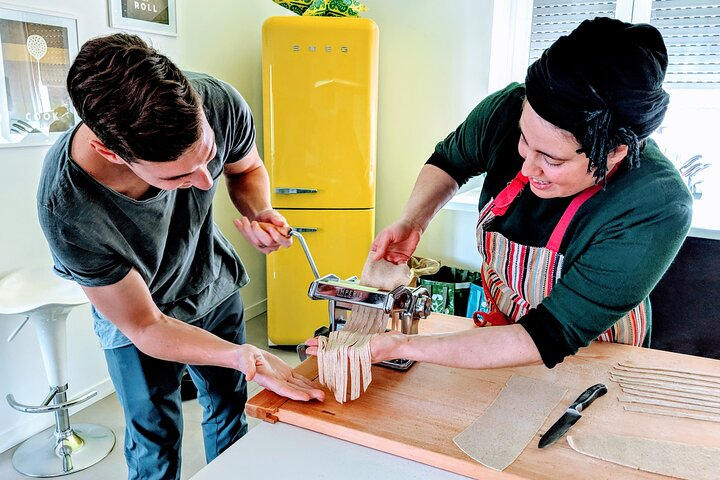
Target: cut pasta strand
344,357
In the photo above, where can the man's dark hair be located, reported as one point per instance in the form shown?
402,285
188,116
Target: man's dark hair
137,101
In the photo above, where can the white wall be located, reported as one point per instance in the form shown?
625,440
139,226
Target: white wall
227,46
433,69
22,244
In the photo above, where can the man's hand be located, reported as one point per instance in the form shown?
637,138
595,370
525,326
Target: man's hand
267,233
397,242
271,373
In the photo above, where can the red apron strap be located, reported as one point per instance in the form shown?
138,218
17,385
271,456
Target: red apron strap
508,194
559,232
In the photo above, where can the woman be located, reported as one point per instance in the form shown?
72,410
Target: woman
580,213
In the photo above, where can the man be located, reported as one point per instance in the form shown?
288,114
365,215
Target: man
125,202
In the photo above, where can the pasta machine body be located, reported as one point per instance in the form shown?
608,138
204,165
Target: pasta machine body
403,306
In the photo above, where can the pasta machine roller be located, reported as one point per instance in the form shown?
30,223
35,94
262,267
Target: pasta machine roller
404,306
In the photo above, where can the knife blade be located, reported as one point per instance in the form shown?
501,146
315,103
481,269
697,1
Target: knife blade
572,414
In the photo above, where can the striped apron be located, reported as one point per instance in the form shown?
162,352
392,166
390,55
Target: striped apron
517,277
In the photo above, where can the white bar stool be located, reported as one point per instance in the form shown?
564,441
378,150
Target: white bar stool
46,300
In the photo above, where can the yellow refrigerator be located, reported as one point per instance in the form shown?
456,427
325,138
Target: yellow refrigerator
320,122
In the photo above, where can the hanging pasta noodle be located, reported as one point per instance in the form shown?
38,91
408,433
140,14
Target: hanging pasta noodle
344,356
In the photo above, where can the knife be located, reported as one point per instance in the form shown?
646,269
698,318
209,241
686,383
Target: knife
572,414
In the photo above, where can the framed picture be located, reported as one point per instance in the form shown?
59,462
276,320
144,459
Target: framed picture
153,16
36,50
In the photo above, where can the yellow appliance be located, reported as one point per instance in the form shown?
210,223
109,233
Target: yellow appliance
320,118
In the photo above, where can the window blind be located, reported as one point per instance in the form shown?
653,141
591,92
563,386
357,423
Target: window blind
691,29
552,19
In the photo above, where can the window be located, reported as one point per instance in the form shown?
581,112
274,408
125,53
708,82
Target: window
553,19
523,29
691,29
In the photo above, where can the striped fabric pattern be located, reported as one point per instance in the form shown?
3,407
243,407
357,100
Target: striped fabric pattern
517,278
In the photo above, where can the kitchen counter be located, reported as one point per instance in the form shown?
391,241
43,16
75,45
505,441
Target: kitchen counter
284,451
415,415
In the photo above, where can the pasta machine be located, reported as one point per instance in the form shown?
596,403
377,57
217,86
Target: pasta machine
403,307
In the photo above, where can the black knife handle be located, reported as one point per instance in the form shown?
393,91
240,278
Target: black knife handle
589,396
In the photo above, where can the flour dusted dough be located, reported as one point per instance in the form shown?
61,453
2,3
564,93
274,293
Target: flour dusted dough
698,405
643,391
704,407
662,385
673,413
692,462
345,355
503,431
667,371
383,274
660,377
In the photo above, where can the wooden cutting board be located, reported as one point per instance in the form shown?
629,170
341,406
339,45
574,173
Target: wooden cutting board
415,414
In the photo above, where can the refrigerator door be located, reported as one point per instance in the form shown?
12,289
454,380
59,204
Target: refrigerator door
339,242
320,111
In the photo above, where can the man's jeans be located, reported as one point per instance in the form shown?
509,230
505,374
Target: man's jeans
149,392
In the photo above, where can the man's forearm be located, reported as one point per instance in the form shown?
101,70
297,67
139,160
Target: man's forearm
170,339
250,192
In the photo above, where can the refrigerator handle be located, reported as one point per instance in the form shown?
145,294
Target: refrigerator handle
293,190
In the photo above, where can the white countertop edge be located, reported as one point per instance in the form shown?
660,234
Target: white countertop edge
708,233
284,451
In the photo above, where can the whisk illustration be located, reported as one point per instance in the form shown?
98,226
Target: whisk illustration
37,48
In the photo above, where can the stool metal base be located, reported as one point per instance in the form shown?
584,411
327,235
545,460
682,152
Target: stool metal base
37,457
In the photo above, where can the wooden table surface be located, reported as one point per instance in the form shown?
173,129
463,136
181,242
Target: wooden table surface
415,414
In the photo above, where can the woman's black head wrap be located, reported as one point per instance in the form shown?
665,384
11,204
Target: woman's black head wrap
603,84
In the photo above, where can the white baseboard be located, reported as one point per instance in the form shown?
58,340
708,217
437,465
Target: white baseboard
252,311
37,422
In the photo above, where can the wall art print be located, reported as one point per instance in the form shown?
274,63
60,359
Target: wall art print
153,16
36,50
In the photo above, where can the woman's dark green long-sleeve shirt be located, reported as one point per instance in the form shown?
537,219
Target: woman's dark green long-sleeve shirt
617,247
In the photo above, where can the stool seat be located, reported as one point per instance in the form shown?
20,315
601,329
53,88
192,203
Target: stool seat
46,300
29,289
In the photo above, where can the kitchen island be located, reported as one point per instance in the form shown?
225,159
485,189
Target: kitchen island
416,414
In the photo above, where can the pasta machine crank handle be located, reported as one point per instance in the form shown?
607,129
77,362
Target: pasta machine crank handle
294,233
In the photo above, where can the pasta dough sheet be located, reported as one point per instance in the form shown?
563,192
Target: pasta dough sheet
498,437
692,462
383,274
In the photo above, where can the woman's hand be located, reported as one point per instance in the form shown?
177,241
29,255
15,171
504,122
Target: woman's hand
267,233
271,373
383,346
397,242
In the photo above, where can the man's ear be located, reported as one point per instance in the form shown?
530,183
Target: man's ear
108,154
616,156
